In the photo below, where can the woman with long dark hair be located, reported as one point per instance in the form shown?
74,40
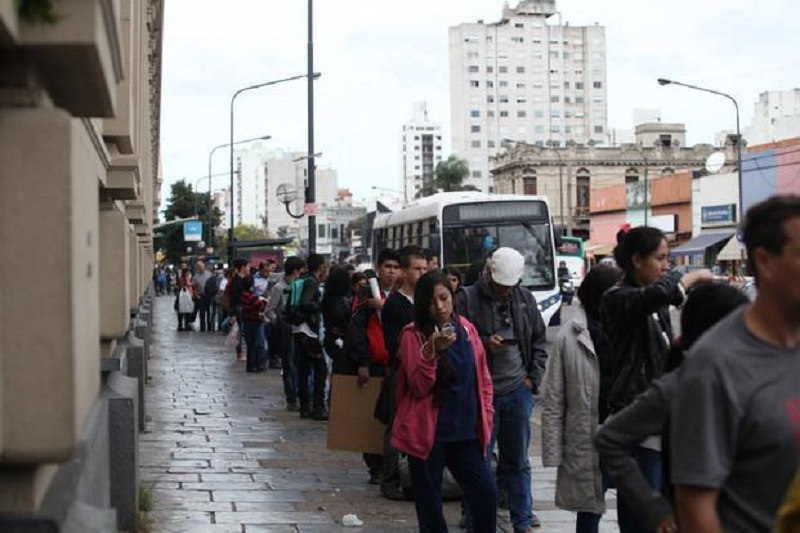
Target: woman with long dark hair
336,314
444,407
635,315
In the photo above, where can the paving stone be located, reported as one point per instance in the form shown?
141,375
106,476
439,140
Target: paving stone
221,447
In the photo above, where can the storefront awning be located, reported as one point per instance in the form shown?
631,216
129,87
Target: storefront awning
700,244
733,251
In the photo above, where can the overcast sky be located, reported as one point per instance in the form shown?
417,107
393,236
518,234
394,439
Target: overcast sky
379,57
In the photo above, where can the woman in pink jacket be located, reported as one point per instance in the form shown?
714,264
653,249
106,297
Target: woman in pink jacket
444,407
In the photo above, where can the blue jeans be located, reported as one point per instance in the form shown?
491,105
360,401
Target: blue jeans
262,345
650,465
512,432
470,469
252,336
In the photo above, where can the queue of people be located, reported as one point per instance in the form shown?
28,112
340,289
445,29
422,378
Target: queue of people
696,431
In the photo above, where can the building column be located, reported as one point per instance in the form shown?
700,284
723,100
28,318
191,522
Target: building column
115,277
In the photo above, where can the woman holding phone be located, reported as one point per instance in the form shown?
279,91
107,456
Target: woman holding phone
444,407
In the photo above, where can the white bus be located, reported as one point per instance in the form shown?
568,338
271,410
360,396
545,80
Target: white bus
462,227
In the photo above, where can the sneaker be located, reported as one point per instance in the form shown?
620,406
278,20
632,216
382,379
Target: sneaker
535,522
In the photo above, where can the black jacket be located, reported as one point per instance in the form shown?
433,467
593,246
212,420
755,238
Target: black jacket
310,303
637,323
476,303
397,313
336,313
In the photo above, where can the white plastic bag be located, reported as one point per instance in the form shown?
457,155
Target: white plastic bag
233,334
185,302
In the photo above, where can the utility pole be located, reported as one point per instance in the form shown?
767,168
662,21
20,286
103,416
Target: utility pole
311,189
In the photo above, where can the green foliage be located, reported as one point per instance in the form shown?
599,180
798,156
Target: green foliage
245,232
37,11
185,203
449,177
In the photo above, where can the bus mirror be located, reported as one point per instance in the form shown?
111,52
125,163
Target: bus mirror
558,234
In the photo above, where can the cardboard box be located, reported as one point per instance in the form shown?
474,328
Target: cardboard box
353,426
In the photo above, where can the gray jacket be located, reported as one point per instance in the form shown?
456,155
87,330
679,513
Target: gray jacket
477,304
570,416
275,302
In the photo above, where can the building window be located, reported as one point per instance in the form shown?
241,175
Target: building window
475,144
490,84
475,113
598,129
321,230
598,85
631,175
555,113
490,144
503,84
489,69
503,114
516,39
554,99
520,70
475,128
503,99
335,234
579,85
490,114
474,84
503,69
566,85
519,25
521,85
538,113
668,172
476,173
521,113
579,99
529,185
538,129
567,100
582,190
554,54
474,69
521,100
490,99
555,129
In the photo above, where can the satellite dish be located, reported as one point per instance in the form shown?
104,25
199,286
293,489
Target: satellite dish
715,162
286,193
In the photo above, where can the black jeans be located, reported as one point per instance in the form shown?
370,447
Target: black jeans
204,310
468,464
252,331
308,365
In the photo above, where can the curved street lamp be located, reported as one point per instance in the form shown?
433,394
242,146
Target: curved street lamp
287,194
664,81
314,76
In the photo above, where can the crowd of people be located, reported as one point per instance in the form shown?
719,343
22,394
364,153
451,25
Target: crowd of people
697,432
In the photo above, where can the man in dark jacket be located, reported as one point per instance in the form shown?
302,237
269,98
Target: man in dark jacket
398,311
513,334
308,346
365,344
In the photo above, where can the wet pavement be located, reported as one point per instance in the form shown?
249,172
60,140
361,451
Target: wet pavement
221,453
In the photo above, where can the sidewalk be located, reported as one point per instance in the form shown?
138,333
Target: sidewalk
222,455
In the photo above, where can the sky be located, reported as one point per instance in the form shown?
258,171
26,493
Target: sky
377,58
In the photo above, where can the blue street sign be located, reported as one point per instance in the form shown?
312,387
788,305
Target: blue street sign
192,231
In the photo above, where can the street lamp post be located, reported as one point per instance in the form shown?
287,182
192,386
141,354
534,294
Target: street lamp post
664,81
311,76
210,155
311,189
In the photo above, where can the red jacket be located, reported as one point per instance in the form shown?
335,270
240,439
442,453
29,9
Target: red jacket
414,426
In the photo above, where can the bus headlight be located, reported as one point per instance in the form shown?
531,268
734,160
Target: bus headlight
547,303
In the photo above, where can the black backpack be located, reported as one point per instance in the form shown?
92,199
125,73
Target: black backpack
212,287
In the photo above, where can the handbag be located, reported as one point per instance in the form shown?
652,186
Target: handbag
185,302
233,335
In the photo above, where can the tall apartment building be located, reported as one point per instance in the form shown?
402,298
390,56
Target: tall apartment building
776,117
421,151
258,171
525,79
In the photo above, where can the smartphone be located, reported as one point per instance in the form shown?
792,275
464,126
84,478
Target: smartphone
447,330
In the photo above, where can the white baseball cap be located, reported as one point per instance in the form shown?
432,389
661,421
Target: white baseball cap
506,266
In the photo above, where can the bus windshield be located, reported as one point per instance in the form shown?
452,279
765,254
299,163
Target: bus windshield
465,247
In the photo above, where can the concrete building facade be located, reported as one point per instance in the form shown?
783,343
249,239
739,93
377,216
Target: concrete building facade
526,79
421,151
776,117
79,142
569,176
258,171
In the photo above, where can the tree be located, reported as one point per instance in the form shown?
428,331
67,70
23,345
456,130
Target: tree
245,232
182,204
449,176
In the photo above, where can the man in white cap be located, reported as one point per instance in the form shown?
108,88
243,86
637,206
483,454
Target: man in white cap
513,333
